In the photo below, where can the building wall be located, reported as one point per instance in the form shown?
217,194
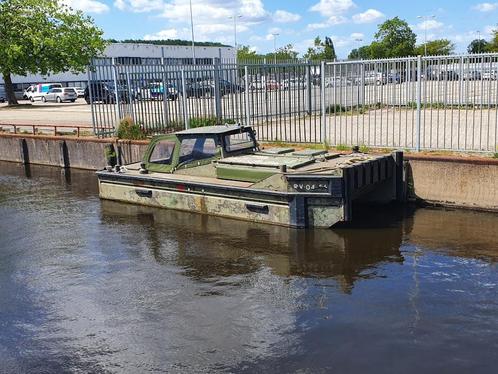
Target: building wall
131,53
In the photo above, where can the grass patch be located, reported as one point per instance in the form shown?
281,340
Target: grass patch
495,155
342,147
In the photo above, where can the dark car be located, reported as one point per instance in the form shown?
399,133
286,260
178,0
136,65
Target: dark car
448,75
105,93
200,89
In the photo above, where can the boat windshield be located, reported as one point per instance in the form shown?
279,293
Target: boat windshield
238,142
195,149
163,152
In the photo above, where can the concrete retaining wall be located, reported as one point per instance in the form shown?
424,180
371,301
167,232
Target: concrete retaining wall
80,153
455,181
459,182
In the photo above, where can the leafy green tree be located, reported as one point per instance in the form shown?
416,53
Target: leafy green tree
478,46
321,50
44,36
245,53
361,53
493,43
286,52
436,47
395,39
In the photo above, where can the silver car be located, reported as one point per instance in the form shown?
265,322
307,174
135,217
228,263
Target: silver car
60,94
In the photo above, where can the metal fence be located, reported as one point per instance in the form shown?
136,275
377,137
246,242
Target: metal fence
436,103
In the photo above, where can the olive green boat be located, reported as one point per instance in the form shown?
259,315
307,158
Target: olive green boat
222,171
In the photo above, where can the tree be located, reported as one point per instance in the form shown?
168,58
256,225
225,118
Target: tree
283,53
245,53
493,44
44,36
361,53
436,47
395,39
478,46
321,50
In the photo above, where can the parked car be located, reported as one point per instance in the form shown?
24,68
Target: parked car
375,77
227,87
473,75
3,94
272,85
105,93
294,84
448,75
38,91
80,91
60,95
489,75
155,91
200,89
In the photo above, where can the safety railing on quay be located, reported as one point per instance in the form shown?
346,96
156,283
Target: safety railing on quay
434,103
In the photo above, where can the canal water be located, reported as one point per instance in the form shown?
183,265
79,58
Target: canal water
88,286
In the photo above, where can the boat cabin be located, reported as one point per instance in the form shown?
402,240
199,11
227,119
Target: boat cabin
198,146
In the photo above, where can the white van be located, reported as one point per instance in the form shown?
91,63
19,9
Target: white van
36,92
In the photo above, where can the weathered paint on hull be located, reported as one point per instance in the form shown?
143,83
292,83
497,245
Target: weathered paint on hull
264,212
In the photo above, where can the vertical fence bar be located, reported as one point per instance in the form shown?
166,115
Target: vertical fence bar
323,122
184,100
116,93
419,98
246,94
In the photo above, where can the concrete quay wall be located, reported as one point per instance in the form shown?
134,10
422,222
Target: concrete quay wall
448,181
80,153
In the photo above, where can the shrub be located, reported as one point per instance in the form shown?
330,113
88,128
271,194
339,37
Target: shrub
209,121
128,129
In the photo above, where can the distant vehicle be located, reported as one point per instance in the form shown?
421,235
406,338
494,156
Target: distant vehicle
60,95
256,85
105,93
473,75
3,94
489,75
200,89
375,77
38,91
272,85
79,91
294,84
394,77
448,75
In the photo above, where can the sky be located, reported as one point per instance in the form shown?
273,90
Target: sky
350,23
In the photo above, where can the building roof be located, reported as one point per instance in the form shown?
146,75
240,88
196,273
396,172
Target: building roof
216,130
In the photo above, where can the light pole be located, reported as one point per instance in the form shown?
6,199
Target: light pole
275,47
192,27
425,19
478,41
234,17
358,40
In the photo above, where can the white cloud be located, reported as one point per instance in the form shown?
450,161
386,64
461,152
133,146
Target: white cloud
357,35
139,6
163,34
486,7
282,16
329,8
370,15
430,24
87,6
271,31
331,21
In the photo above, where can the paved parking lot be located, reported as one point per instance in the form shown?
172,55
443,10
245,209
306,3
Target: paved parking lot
38,113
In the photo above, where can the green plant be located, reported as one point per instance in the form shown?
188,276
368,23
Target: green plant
335,108
364,149
342,147
128,129
495,155
202,122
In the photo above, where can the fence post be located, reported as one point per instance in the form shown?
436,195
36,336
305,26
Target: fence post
130,96
419,99
246,93
184,101
323,119
116,93
90,97
308,87
165,95
217,91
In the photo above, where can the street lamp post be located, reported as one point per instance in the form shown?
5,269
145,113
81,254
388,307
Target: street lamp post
478,41
192,27
234,17
425,19
275,47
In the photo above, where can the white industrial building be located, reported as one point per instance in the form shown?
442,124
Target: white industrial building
133,54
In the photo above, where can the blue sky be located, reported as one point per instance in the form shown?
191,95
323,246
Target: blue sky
350,23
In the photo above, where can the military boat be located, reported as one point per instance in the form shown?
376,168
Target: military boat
223,171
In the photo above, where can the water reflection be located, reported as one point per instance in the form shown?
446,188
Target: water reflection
96,286
212,247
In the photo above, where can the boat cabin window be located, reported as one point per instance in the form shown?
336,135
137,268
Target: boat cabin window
194,149
238,142
163,152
